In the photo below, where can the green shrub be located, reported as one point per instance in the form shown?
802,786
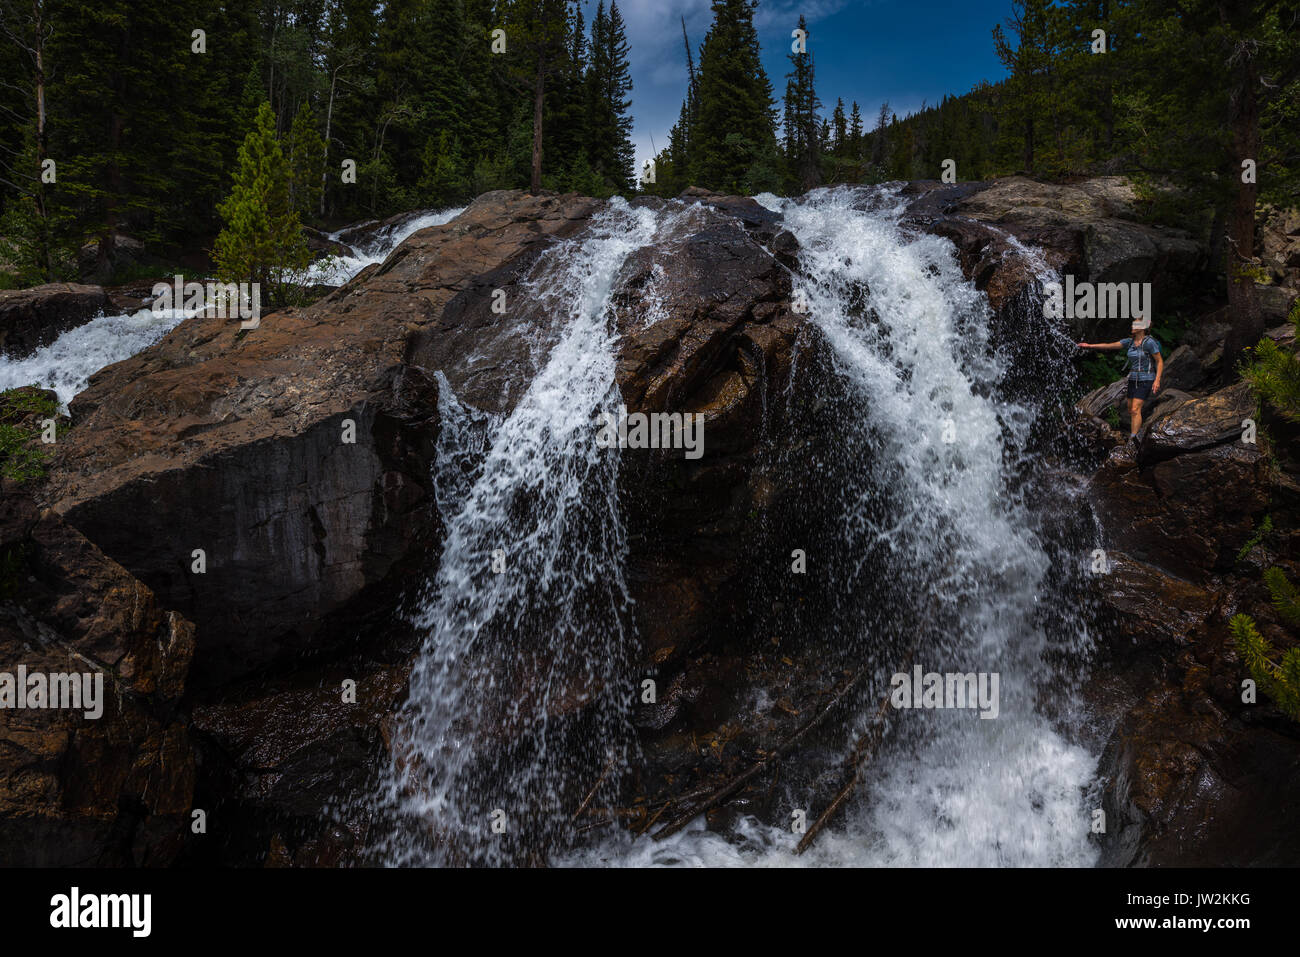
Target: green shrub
22,455
1280,680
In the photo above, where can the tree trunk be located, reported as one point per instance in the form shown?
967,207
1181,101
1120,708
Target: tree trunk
1243,305
539,89
113,172
42,139
325,160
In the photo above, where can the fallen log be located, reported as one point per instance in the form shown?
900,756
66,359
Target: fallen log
773,757
594,788
862,751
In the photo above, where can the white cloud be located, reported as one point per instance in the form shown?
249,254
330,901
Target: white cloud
657,56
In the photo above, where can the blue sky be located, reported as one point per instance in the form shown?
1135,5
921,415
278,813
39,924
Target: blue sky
903,51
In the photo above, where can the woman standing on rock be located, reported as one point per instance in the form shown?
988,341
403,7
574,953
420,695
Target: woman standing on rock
1145,367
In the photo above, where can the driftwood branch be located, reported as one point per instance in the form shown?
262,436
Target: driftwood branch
861,755
771,760
594,788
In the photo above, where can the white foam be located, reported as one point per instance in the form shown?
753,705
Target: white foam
66,364
336,270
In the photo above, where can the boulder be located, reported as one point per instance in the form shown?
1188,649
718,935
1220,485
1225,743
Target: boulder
33,318
99,259
1195,776
1275,302
1198,424
285,757
76,790
322,245
1143,604
707,328
1165,505
1078,229
234,443
1279,245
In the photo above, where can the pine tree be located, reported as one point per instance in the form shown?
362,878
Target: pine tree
855,132
28,230
734,125
1277,676
803,142
136,154
306,158
262,240
617,101
443,181
1275,374
880,147
839,129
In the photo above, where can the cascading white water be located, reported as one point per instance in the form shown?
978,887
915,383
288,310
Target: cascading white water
336,270
509,653
908,337
67,363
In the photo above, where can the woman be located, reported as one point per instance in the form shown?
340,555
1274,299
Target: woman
1145,367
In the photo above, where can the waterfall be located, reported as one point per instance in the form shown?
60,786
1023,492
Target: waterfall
937,549
527,615
336,270
950,789
67,363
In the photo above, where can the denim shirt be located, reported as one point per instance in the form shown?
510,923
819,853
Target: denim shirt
1141,359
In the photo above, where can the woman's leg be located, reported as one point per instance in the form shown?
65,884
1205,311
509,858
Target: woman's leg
1135,415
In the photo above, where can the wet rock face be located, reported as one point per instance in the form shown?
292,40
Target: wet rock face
1086,230
1164,503
235,442
285,759
321,245
1193,775
112,790
488,355
33,318
707,328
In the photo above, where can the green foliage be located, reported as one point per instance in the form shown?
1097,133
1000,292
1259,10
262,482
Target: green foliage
262,240
306,154
1169,331
147,133
803,140
23,457
1275,374
1283,595
1098,369
1262,534
608,85
20,459
33,250
1280,680
734,124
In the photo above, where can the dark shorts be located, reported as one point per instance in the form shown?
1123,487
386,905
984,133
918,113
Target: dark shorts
1140,388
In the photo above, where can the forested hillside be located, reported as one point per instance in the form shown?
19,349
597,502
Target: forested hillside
143,116
127,119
